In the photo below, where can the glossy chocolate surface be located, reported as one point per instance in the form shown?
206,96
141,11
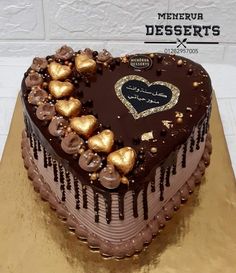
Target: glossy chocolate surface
99,98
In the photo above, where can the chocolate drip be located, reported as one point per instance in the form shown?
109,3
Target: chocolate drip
153,188
121,206
168,177
198,138
206,127
183,163
203,131
162,177
174,169
108,201
96,207
85,197
76,189
35,148
45,158
192,143
135,205
62,183
145,204
207,121
26,126
55,171
49,160
39,146
31,140
68,182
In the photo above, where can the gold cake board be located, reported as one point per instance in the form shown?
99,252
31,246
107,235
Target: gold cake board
200,238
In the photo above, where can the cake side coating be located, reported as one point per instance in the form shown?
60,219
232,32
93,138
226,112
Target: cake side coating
107,248
116,139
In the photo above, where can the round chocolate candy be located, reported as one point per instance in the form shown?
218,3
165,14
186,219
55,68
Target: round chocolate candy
45,111
72,143
57,126
90,161
109,177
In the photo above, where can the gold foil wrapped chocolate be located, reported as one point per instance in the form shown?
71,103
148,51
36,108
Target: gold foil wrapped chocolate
84,125
60,89
123,159
84,64
68,108
102,142
58,71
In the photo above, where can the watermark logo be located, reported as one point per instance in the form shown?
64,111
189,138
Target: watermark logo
182,36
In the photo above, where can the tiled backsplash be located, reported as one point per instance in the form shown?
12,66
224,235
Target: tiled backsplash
38,27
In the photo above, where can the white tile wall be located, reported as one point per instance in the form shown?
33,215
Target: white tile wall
230,54
37,27
215,12
21,19
101,19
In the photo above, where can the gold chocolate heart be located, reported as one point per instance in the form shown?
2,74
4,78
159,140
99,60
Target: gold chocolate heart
58,71
69,107
84,125
123,159
102,142
60,89
84,64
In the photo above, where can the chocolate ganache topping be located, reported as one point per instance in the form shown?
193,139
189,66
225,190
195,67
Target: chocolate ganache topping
37,95
109,177
71,143
33,79
45,111
39,63
64,53
115,120
90,161
57,126
104,56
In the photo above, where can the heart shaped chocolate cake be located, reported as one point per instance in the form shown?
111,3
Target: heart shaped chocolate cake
115,144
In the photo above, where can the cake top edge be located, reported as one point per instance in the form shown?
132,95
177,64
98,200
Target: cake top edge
60,91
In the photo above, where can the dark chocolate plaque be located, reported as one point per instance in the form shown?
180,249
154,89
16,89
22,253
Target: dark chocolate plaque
143,98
